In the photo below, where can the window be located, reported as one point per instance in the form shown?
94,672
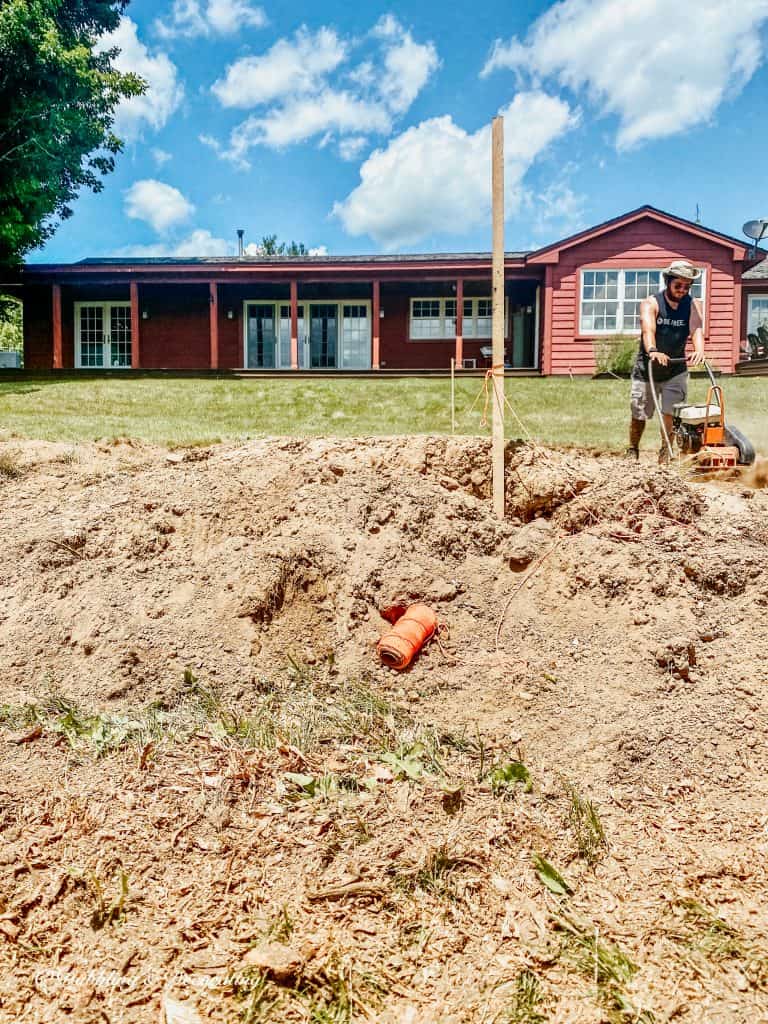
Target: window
436,318
757,312
428,318
610,299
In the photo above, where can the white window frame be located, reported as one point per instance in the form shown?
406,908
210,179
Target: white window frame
448,321
105,305
588,332
303,311
753,297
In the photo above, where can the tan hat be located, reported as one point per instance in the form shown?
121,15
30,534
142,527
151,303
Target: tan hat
682,268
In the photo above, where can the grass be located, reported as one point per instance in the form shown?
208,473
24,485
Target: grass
196,411
586,827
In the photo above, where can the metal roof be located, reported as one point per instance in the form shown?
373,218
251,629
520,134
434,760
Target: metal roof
150,261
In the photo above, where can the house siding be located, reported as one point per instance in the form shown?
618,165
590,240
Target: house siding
629,247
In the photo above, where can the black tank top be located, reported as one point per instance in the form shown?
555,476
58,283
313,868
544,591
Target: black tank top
673,328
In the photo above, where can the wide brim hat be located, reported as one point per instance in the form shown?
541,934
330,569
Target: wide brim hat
682,268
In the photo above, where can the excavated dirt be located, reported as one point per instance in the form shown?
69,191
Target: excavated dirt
216,805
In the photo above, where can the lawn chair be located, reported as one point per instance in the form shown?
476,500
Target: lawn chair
762,333
753,352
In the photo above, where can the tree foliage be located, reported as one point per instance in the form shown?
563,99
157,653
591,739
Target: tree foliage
58,96
269,246
11,336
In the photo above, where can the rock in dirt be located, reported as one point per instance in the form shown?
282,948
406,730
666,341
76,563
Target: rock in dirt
528,543
282,963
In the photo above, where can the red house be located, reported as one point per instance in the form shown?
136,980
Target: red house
358,313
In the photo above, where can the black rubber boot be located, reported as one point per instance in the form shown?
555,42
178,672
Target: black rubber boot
633,454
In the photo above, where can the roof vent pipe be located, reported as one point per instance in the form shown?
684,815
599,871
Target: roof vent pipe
240,247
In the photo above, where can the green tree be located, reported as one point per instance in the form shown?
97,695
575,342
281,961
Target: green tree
11,336
58,97
269,246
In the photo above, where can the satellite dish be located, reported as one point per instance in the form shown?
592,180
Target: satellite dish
755,229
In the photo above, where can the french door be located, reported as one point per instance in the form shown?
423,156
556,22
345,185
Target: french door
102,335
332,335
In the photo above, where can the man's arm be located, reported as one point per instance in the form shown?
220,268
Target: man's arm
697,334
649,310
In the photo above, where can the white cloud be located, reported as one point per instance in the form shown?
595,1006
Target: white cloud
435,177
658,76
309,90
299,119
319,250
557,211
164,91
199,243
161,206
160,156
289,68
408,65
351,147
190,18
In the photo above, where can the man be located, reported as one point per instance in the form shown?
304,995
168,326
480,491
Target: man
668,319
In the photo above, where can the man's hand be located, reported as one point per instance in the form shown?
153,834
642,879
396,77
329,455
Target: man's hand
696,358
659,357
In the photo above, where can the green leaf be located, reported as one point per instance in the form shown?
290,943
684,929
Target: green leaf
505,777
306,783
406,763
550,876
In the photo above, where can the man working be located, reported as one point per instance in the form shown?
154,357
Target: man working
668,319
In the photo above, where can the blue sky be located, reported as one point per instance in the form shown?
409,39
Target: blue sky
365,128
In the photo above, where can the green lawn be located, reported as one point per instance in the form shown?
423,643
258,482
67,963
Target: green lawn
180,411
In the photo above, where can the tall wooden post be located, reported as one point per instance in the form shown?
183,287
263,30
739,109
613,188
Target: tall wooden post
135,342
497,321
375,332
58,360
214,324
459,322
294,325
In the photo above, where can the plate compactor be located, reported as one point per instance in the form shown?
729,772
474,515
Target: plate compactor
701,432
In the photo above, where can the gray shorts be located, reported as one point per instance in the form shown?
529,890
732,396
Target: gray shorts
669,393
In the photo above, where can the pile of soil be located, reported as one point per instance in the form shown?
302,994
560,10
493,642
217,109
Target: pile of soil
217,805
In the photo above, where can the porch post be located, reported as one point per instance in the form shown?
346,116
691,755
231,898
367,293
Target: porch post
294,324
213,289
58,360
375,333
459,322
135,351
546,331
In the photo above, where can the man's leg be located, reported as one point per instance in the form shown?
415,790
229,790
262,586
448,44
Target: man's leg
636,428
641,410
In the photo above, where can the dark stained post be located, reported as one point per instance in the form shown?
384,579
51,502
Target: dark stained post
459,322
135,354
58,360
214,302
294,325
375,333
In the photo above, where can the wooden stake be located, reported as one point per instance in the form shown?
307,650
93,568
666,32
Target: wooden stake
453,396
497,323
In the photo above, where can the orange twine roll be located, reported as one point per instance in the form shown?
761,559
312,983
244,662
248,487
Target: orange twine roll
400,645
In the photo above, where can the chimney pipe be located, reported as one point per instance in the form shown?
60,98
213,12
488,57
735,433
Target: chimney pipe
240,246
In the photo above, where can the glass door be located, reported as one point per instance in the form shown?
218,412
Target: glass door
102,335
91,336
323,335
119,336
261,347
355,336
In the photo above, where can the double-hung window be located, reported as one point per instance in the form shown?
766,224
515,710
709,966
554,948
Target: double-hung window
433,318
436,318
610,299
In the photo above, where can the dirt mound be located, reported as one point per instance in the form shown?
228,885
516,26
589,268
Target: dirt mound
215,795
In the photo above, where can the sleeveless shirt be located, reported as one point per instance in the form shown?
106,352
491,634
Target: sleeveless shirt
673,328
